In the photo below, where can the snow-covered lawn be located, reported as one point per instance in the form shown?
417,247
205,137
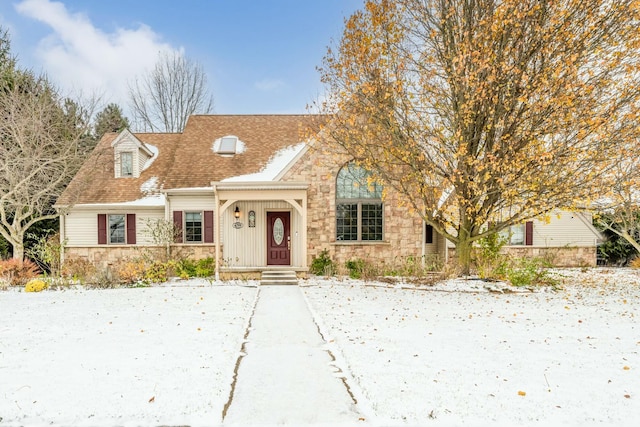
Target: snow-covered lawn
478,358
453,354
147,356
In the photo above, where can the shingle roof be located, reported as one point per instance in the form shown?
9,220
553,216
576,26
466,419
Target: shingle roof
187,160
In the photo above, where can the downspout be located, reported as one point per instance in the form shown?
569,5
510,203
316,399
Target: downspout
424,244
216,226
63,232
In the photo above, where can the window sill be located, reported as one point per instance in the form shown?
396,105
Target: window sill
360,242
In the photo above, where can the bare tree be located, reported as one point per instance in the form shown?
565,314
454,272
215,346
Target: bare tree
619,210
163,99
42,140
483,114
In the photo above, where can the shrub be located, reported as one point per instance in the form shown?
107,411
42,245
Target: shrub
36,285
322,265
360,269
78,269
130,271
529,271
411,266
46,252
17,272
103,278
156,273
489,261
205,267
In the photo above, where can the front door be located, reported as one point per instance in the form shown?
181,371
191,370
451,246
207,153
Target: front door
278,238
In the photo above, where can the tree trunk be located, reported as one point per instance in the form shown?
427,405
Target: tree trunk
18,250
463,251
629,238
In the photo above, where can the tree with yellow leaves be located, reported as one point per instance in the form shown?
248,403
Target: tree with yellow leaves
483,114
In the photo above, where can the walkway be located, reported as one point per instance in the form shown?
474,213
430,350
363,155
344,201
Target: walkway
285,376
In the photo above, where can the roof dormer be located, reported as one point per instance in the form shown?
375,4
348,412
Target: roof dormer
130,155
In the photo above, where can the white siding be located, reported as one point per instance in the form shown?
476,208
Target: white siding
81,226
564,229
192,203
127,145
247,246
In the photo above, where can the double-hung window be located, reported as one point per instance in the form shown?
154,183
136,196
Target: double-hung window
193,226
126,164
519,234
359,209
116,229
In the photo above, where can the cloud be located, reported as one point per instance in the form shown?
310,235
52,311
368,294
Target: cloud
268,85
81,58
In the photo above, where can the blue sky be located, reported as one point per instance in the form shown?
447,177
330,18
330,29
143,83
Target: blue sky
260,56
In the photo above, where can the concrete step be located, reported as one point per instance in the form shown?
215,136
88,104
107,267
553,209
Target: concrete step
279,277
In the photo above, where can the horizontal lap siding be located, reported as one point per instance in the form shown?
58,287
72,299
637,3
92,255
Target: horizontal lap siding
81,227
193,203
567,230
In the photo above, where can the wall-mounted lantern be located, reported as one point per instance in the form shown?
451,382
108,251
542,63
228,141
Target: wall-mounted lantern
236,214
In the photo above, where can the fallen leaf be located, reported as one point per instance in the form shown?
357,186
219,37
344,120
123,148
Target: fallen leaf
522,393
152,399
626,368
627,396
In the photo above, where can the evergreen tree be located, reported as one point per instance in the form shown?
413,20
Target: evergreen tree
111,119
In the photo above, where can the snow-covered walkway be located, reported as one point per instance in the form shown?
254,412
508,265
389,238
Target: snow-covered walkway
285,373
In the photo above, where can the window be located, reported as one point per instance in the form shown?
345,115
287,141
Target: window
359,213
116,229
519,234
193,226
126,164
228,145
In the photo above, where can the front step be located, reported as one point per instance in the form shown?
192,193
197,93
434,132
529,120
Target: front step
279,277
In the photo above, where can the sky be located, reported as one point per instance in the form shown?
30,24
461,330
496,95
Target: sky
260,56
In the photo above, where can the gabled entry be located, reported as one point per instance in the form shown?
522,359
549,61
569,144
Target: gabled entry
278,238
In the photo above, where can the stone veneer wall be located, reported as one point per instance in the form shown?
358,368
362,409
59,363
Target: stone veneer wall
105,255
402,232
565,256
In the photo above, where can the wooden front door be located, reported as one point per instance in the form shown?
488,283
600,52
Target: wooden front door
278,238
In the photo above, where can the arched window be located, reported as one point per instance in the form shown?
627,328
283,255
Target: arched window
359,210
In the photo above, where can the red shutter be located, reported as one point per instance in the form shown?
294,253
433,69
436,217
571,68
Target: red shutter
528,233
177,225
428,238
208,226
102,229
131,229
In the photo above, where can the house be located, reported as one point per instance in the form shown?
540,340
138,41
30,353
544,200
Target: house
250,192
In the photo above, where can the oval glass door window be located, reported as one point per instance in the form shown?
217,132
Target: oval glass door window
278,231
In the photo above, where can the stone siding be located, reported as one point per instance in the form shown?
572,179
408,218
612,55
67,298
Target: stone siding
402,231
583,256
105,255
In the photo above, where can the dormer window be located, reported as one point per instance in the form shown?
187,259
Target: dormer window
126,164
228,145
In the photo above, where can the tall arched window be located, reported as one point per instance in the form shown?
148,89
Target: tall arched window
359,212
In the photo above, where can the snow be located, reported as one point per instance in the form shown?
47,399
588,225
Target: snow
150,186
154,150
274,166
461,352
150,200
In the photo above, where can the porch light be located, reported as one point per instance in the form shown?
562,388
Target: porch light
236,213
